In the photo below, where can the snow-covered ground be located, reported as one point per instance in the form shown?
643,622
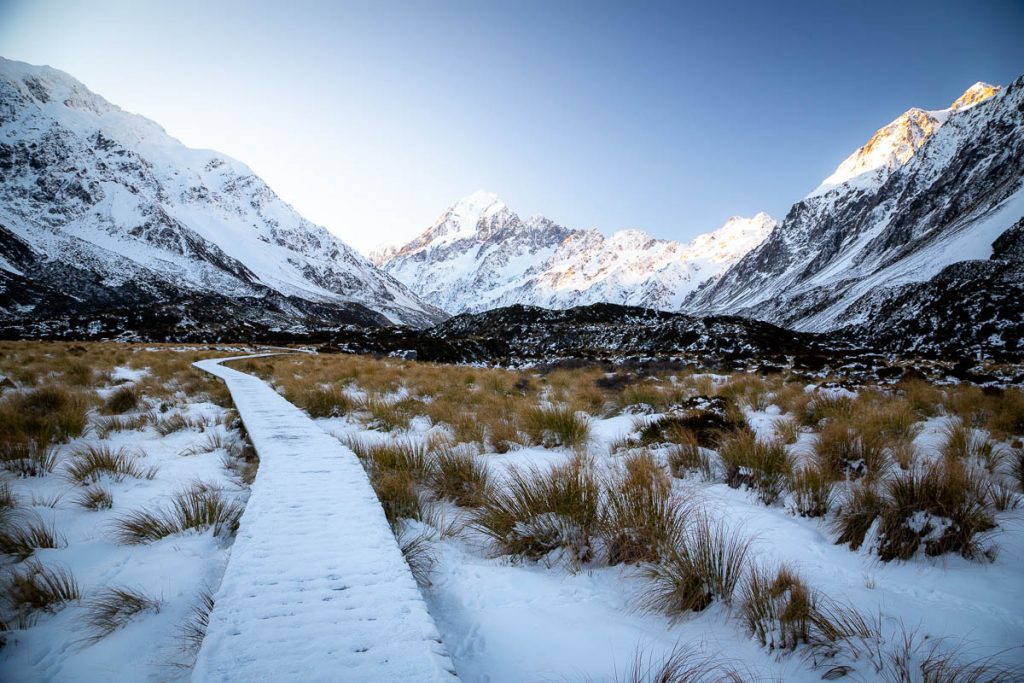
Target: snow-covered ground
505,620
176,571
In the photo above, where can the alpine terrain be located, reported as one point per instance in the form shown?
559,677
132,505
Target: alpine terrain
109,224
480,255
915,242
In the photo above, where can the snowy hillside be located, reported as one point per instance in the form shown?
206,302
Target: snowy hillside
929,190
480,255
104,206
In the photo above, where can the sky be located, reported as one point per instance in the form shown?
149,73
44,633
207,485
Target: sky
371,117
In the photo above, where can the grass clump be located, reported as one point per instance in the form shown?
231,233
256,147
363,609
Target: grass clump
705,564
813,491
21,534
193,630
329,401
89,463
95,497
641,519
539,512
114,608
34,587
763,466
198,508
122,400
396,469
178,422
121,423
843,450
555,426
942,507
778,608
460,477
28,458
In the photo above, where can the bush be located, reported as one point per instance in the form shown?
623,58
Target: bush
705,564
555,426
539,512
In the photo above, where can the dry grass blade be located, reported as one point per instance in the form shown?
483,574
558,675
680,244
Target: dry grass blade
193,630
34,587
114,608
95,497
21,534
89,463
460,477
555,426
199,508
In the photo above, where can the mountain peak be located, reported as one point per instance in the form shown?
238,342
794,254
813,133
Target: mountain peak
979,92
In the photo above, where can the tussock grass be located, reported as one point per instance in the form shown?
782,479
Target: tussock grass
684,665
555,426
539,512
122,400
34,419
685,456
460,477
241,460
214,441
121,423
178,422
95,497
942,507
322,401
418,554
705,564
641,520
193,630
708,425
778,608
787,430
824,406
34,587
405,455
388,415
846,451
8,501
813,491
113,608
90,463
763,466
198,508
751,390
924,398
962,442
22,533
27,458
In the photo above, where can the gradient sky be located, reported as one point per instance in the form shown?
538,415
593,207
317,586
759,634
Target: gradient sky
371,117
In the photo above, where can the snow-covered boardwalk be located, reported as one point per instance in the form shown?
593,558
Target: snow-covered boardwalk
316,588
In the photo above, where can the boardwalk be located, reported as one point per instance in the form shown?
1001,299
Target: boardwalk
316,588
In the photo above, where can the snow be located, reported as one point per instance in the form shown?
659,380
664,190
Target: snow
457,265
175,570
315,575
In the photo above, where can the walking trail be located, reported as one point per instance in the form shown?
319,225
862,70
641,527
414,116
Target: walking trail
316,588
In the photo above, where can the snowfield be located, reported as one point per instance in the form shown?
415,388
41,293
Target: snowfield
314,586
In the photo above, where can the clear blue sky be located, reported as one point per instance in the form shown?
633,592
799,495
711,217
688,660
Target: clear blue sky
371,117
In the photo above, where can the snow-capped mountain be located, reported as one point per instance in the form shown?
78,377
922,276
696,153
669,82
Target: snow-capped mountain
480,255
101,210
873,248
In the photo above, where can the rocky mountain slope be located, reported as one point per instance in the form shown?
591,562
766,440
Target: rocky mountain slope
481,255
907,241
107,221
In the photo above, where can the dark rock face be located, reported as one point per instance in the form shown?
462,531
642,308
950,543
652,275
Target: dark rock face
105,218
887,261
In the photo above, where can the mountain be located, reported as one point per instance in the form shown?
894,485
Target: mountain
105,220
480,255
903,242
